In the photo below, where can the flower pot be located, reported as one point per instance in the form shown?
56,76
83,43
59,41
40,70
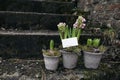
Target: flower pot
92,60
69,59
51,62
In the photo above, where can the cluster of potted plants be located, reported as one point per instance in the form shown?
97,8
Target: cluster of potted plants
70,48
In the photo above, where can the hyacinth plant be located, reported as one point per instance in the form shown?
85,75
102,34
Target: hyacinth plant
51,51
66,32
93,45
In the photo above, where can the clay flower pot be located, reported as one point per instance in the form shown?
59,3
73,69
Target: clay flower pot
51,62
92,60
69,59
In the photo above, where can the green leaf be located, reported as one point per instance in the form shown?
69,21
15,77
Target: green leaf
69,33
66,32
96,42
78,34
51,44
73,32
60,33
89,42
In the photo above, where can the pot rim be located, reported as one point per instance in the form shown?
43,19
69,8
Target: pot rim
51,56
67,52
100,53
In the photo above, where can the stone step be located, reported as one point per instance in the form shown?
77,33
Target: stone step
33,20
37,6
29,33
42,33
27,69
49,0
26,44
53,0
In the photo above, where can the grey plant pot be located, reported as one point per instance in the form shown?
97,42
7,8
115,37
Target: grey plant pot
69,59
51,62
92,60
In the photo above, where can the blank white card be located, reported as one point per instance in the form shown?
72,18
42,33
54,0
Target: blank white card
69,42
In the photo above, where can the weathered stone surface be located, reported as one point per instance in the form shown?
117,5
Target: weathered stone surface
113,6
37,6
117,16
103,12
35,14
33,21
0,59
46,0
21,69
25,46
99,7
